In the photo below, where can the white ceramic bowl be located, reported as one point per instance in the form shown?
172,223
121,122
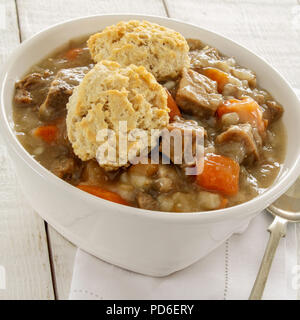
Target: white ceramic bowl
149,242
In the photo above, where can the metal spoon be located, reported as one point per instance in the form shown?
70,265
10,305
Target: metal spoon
285,209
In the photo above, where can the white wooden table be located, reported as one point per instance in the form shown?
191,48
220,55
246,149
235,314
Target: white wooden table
38,261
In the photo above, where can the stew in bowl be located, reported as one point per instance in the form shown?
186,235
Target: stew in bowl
168,83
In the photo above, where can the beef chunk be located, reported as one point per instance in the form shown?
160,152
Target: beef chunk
61,88
146,201
239,142
63,167
189,131
197,94
272,111
93,174
23,96
68,168
23,87
164,184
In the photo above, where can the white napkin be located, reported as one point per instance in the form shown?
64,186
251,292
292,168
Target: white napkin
227,273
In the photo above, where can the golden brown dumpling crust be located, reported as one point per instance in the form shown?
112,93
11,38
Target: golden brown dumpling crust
109,94
162,51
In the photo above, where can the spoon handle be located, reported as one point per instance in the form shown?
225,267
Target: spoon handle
277,230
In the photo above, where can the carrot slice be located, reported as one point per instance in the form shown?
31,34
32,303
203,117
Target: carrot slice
73,53
172,105
103,193
47,133
220,174
217,75
248,111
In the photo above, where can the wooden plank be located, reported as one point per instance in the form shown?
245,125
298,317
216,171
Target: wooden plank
62,257
9,30
34,16
37,15
23,245
271,28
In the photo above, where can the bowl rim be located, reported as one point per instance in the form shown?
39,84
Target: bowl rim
258,203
